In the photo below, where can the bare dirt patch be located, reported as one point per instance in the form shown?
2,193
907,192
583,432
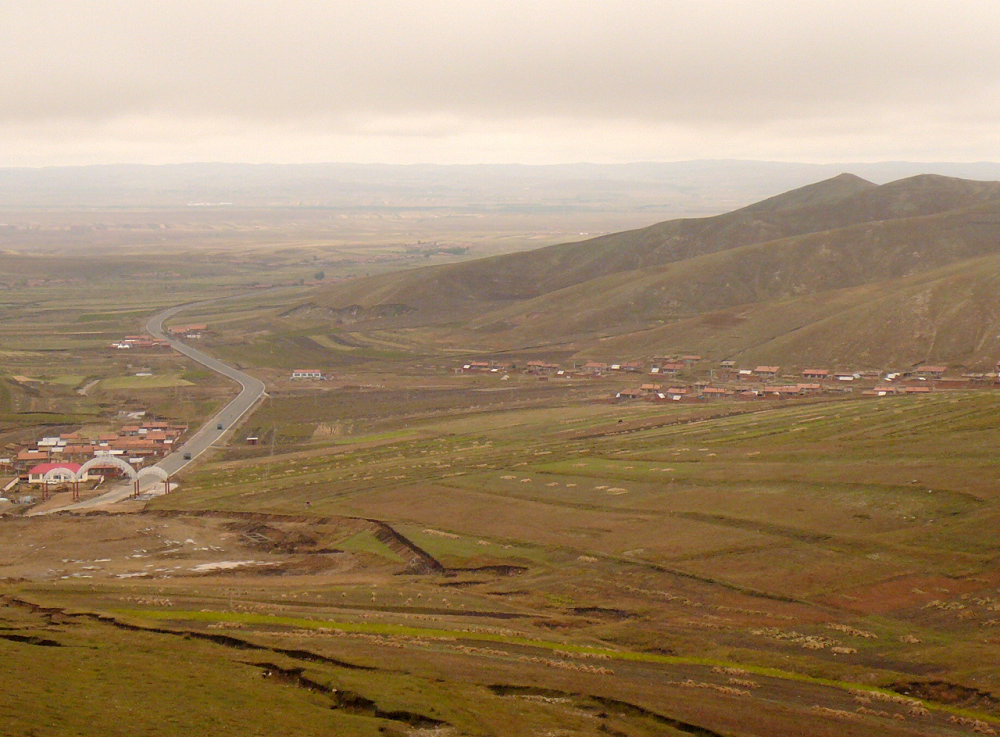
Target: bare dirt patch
104,546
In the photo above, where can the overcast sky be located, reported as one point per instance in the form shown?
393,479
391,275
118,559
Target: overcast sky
546,81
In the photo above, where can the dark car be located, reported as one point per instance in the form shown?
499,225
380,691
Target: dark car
187,455
219,426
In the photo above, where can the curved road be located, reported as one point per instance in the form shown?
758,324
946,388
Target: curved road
252,391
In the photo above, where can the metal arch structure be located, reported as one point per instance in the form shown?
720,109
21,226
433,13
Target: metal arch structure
58,474
153,471
110,461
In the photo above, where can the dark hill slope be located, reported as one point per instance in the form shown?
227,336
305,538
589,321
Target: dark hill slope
762,272
840,202
841,271
948,315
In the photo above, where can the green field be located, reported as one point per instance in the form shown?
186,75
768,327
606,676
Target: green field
144,382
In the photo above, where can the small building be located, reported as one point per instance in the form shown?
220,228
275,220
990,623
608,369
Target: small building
785,390
933,372
819,374
307,374
68,472
767,371
31,456
188,331
628,394
540,367
672,368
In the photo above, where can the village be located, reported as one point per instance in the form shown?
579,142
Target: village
691,378
188,332
56,460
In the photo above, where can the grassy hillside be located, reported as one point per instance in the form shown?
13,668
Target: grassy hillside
809,272
836,203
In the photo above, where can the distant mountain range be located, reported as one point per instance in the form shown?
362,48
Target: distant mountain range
671,189
844,272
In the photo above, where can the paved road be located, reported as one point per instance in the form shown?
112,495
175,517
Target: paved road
252,390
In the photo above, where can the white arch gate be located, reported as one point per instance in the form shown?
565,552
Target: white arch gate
62,474
153,471
108,461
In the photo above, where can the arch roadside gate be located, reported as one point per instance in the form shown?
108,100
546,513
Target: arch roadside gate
62,474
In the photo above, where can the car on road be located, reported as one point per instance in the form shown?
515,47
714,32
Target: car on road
219,426
187,455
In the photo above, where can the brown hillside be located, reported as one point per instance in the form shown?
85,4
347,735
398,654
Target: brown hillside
783,276
840,202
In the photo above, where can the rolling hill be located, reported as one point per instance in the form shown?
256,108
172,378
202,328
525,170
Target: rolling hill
842,270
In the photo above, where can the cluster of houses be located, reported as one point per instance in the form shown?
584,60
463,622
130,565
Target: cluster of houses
139,341
137,444
191,332
588,369
728,381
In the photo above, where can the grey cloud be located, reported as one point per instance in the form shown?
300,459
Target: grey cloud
377,66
